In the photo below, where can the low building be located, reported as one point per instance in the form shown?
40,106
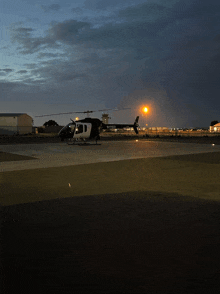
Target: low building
215,128
15,123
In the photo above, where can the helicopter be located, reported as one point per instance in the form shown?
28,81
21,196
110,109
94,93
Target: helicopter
88,128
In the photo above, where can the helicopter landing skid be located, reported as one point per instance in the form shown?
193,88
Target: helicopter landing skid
80,143
88,144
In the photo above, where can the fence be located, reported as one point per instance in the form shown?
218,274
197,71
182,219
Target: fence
181,133
166,133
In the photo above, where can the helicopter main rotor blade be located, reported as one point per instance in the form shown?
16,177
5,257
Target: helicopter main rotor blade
114,109
87,111
60,113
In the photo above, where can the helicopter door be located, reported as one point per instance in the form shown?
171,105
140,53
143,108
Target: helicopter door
82,130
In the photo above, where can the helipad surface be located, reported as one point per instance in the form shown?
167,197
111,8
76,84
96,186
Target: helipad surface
61,154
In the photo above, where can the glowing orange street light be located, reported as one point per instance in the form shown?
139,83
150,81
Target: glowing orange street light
145,109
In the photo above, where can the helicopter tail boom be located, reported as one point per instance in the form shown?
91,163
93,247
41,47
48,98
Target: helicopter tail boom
121,126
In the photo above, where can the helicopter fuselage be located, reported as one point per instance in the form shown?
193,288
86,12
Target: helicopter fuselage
89,128
81,130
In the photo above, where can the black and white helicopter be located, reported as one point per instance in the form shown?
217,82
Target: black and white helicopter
88,128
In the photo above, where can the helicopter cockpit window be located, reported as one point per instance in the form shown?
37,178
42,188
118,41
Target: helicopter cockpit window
79,129
85,128
71,127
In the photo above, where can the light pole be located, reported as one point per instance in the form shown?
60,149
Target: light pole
145,110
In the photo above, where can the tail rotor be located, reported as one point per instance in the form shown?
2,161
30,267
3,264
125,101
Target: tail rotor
136,125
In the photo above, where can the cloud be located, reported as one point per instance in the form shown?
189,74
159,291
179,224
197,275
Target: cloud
145,12
31,65
170,47
8,87
52,7
59,71
22,71
77,10
109,4
48,55
101,4
28,44
65,32
6,70
217,38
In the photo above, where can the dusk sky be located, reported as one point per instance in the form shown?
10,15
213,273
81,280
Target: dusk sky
62,56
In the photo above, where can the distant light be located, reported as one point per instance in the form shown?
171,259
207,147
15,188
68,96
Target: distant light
77,118
213,144
145,109
69,185
136,140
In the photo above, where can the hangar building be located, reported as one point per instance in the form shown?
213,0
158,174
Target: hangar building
15,123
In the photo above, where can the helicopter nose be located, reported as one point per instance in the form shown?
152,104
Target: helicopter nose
61,134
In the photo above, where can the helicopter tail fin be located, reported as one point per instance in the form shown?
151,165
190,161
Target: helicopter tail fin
136,125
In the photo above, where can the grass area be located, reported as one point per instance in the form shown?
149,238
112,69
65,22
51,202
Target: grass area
45,135
4,156
188,175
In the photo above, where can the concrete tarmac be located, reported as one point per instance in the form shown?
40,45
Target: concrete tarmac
62,154
120,217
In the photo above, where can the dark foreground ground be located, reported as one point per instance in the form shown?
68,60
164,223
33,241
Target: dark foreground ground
140,242
143,238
